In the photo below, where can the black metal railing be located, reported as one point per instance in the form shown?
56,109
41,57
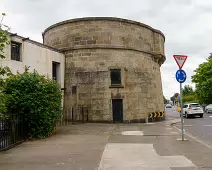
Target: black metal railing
12,131
77,114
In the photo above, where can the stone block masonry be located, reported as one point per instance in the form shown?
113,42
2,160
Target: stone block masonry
93,48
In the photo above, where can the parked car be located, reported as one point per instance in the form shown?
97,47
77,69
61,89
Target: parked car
208,108
192,109
168,106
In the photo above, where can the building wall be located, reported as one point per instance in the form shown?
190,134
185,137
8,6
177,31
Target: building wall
92,47
37,56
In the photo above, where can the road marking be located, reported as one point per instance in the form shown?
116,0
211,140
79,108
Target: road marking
174,132
125,156
60,163
210,116
187,125
180,139
194,138
149,123
133,133
206,125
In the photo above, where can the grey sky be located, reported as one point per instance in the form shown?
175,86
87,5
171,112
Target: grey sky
186,24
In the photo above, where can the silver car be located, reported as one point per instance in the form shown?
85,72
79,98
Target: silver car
168,106
208,108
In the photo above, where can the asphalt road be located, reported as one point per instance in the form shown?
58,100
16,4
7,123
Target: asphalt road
172,113
199,128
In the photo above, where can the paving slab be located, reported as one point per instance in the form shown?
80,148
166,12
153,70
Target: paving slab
138,156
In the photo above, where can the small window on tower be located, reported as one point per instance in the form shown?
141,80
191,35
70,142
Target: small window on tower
74,89
115,75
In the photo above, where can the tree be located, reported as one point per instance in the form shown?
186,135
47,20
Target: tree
203,81
176,95
188,98
187,90
164,100
35,98
188,94
172,99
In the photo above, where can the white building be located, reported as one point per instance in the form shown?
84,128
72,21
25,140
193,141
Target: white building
25,52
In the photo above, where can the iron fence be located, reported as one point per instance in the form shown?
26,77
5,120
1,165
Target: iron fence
12,131
78,114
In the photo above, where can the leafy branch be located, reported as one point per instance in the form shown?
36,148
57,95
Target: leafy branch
4,32
4,71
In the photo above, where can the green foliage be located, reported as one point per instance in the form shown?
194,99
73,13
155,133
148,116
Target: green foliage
37,98
188,98
187,90
176,95
174,98
4,41
3,116
188,94
3,36
203,80
164,100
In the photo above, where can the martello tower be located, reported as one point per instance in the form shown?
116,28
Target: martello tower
112,66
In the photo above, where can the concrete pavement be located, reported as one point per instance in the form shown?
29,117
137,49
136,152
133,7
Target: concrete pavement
110,147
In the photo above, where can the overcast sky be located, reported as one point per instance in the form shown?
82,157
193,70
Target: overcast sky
187,25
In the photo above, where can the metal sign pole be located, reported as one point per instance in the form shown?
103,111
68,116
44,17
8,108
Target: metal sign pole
181,78
181,110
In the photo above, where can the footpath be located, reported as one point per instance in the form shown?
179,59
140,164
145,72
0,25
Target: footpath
152,146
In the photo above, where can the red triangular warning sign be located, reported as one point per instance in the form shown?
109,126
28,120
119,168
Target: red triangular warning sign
180,59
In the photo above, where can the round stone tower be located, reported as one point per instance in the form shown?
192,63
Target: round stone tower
112,67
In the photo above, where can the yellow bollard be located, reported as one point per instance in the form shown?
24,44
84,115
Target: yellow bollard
178,109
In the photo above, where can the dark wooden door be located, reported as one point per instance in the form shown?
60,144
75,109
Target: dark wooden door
117,110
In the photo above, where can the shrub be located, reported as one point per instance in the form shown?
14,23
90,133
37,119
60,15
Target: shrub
37,98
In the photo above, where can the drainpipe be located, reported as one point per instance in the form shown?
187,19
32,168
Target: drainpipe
43,37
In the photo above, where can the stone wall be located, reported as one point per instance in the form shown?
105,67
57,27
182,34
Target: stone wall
92,47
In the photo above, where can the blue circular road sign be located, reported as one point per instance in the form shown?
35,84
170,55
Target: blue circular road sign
181,76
